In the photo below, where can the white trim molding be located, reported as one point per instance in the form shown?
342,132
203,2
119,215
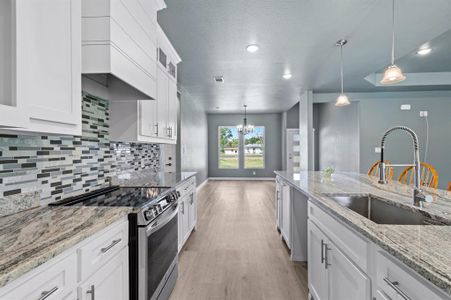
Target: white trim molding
200,186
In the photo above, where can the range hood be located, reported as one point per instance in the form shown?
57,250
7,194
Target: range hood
119,48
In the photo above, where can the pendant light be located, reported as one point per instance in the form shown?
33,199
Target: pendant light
245,128
342,100
392,74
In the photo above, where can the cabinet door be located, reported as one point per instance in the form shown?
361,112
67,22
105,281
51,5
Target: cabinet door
182,222
317,272
109,282
148,123
278,204
162,102
286,214
192,211
346,281
48,64
172,108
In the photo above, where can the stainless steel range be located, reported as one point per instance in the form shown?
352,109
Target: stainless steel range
153,236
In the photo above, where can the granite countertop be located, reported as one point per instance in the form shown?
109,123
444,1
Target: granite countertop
424,248
148,178
30,238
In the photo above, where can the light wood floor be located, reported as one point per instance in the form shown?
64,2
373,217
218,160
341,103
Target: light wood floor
236,252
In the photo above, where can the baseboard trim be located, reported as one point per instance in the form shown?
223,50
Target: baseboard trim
243,178
200,186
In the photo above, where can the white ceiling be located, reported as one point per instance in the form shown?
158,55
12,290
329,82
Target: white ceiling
294,35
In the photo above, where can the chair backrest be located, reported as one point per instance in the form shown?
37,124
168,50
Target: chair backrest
429,176
374,170
449,186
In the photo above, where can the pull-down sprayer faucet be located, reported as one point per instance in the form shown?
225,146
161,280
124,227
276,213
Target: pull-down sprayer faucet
418,196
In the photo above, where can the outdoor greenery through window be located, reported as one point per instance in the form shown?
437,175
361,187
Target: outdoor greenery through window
229,145
254,149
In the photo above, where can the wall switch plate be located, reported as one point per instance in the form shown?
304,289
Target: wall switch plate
405,107
377,149
423,113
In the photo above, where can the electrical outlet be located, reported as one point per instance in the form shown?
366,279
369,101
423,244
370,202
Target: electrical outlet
423,113
405,107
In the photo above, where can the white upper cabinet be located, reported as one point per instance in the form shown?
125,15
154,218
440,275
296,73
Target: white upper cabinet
40,58
119,38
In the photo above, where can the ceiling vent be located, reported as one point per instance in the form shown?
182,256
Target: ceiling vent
219,79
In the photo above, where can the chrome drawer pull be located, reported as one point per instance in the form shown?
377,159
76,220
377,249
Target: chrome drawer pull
113,243
322,251
92,292
394,285
46,294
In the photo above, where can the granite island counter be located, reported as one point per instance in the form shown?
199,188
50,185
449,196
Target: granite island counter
424,248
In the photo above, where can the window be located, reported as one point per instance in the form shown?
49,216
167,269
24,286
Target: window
254,149
229,147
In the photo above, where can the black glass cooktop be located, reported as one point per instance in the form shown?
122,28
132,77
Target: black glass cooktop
114,196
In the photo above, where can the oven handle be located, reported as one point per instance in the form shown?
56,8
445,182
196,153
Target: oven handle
157,224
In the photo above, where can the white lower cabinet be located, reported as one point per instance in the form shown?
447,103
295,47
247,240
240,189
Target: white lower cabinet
110,282
342,264
187,216
331,274
285,214
96,268
57,280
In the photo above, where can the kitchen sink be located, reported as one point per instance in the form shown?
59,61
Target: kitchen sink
382,211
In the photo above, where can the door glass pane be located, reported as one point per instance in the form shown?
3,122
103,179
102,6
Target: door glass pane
229,145
254,149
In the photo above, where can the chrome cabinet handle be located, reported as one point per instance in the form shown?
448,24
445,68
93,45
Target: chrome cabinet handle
92,292
113,243
156,129
46,294
183,207
326,260
395,285
322,251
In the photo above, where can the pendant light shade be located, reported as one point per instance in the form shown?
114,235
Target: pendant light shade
392,74
342,100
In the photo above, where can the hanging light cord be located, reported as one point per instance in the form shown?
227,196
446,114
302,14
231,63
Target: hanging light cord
393,34
341,67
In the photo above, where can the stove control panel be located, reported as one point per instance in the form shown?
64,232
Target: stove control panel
156,209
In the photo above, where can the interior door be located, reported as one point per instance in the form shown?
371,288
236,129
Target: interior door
346,281
293,150
317,272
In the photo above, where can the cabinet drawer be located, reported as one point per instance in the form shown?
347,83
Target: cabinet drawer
350,243
57,280
101,249
187,187
395,281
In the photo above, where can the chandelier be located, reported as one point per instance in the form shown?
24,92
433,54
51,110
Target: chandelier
245,128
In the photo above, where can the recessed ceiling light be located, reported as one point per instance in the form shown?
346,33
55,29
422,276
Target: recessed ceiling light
287,76
252,48
424,51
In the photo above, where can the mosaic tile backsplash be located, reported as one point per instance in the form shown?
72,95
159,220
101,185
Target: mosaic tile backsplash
60,166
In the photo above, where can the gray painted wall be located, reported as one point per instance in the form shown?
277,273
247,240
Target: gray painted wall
380,111
193,137
337,135
293,117
273,140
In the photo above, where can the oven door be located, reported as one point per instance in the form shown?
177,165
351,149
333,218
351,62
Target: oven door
157,253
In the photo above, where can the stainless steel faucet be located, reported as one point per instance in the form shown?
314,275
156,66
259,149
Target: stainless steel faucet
418,195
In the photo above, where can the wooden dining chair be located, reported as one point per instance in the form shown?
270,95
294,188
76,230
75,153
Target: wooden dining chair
429,176
449,186
374,170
